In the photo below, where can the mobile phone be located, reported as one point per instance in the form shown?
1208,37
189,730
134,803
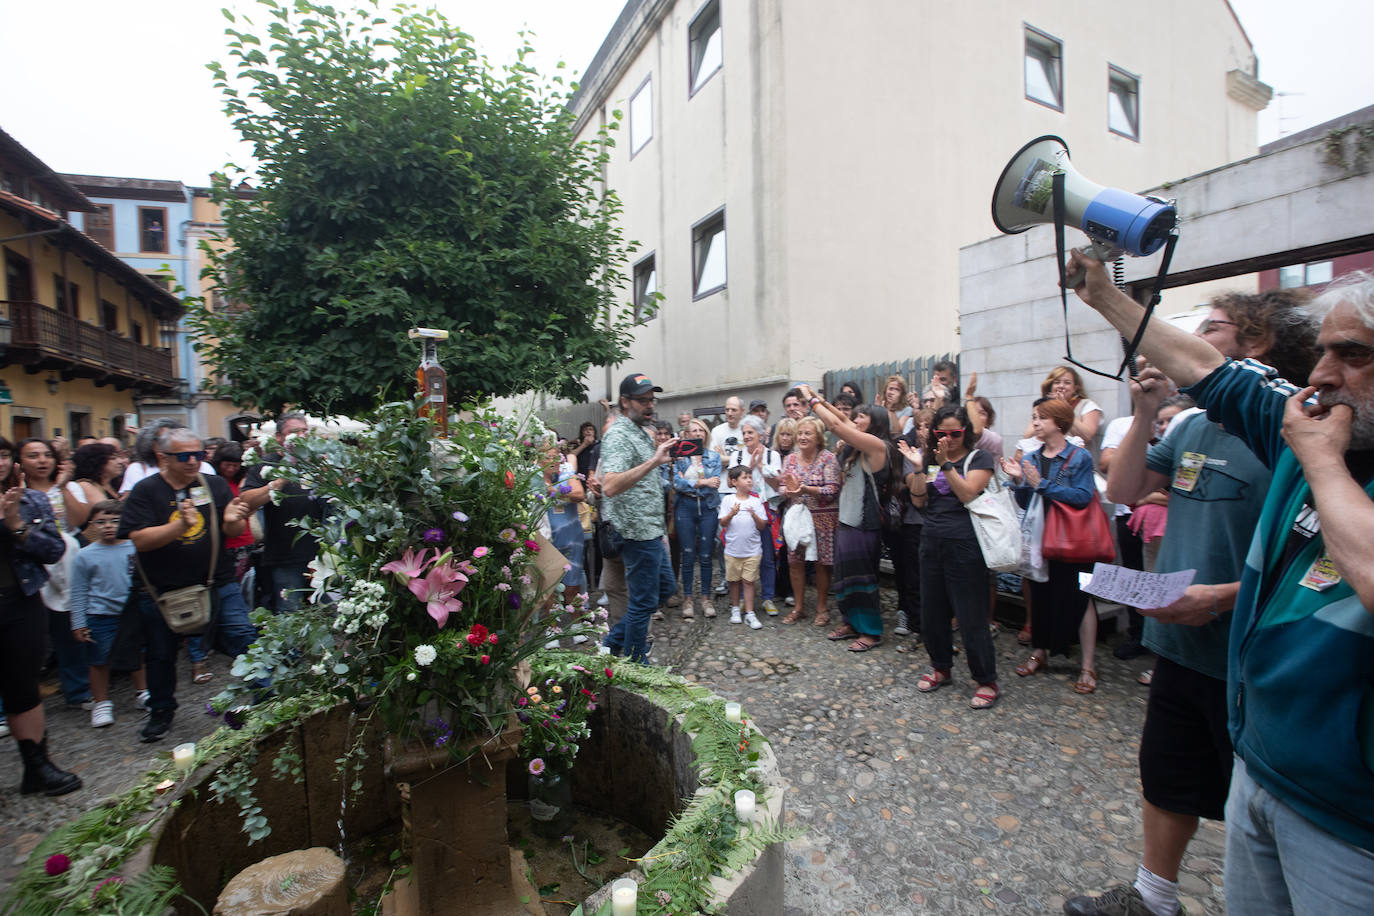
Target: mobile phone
686,448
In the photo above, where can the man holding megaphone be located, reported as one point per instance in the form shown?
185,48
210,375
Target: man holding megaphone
1300,813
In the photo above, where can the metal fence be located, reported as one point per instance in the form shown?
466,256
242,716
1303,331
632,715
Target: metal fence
873,378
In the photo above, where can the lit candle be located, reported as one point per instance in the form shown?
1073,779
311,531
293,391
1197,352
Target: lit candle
744,806
184,756
732,712
624,893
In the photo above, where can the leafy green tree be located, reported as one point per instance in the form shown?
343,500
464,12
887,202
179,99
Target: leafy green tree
403,180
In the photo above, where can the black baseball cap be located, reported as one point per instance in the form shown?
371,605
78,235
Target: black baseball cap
637,384
756,404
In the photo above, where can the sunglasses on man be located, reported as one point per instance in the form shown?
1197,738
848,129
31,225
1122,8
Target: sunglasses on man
184,457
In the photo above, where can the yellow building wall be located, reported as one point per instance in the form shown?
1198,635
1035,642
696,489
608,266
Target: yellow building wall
35,412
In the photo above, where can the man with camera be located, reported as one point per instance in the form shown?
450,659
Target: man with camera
168,517
633,490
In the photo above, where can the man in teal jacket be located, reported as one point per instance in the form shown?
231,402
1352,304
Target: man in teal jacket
1300,816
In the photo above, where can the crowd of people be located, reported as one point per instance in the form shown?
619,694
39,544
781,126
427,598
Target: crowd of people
1259,701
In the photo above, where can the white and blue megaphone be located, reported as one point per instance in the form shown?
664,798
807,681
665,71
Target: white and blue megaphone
1118,222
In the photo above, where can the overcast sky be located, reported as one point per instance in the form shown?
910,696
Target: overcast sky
119,87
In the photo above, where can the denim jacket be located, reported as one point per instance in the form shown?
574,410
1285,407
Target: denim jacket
42,546
710,467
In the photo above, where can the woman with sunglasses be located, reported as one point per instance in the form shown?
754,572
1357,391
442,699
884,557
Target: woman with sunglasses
954,578
1060,613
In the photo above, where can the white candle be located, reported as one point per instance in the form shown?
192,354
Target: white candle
744,806
624,893
732,712
184,756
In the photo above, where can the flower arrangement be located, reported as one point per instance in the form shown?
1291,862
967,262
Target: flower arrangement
554,710
428,590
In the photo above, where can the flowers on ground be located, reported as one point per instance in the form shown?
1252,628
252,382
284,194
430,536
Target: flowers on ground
58,863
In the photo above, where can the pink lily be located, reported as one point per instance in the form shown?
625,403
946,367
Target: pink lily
438,589
411,565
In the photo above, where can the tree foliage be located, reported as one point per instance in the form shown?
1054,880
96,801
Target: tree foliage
404,180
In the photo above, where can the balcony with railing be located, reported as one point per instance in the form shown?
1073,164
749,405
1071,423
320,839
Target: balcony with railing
44,338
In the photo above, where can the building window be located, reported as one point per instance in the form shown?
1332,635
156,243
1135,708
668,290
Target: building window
67,296
18,278
136,333
1123,103
1298,275
100,225
645,287
152,229
708,255
109,316
642,116
703,45
1044,69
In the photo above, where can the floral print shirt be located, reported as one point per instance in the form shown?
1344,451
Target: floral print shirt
636,513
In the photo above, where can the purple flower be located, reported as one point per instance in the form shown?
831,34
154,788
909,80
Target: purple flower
523,717
434,536
236,717
564,488
515,600
460,517
537,766
56,864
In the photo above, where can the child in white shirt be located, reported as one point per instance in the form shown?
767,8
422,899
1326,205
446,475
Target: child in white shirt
742,516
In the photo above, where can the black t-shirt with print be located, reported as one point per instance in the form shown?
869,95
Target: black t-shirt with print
284,544
186,560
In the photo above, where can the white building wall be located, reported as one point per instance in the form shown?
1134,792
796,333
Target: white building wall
855,148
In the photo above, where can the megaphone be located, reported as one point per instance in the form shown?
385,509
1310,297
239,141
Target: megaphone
1117,221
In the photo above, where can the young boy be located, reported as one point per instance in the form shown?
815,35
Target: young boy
99,589
742,516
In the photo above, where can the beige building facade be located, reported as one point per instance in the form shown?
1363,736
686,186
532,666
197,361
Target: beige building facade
799,176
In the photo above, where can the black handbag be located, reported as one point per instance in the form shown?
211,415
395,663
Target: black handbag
609,543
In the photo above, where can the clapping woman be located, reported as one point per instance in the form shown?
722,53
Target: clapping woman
954,578
811,476
1058,471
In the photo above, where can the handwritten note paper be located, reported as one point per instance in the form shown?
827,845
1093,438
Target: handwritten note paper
1135,588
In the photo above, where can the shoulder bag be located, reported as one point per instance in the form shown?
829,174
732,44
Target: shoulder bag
189,610
1077,535
993,513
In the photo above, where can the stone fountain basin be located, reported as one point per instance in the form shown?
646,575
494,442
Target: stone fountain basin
638,766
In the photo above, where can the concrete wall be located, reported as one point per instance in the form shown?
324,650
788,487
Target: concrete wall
1234,221
855,149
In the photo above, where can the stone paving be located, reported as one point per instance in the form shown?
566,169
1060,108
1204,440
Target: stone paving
912,803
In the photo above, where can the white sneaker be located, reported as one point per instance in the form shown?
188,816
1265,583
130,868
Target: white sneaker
790,601
604,600
141,699
753,621
102,714
901,628
770,608
551,644
722,589
579,639
734,615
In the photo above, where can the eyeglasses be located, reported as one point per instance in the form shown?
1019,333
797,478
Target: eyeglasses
952,433
1209,323
184,457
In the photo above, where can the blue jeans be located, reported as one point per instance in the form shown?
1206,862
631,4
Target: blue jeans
1277,861
73,658
696,523
233,635
768,566
650,582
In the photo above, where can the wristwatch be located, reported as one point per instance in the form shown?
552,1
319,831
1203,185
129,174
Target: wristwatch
947,466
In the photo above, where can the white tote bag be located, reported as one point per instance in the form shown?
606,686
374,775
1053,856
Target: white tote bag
993,513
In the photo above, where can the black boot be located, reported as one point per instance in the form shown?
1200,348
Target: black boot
40,775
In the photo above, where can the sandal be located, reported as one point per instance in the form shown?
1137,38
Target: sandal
200,673
1087,681
794,616
823,619
1024,637
844,632
932,681
985,697
859,645
1031,665
1145,678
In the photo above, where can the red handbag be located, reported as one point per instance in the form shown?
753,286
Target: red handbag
1077,535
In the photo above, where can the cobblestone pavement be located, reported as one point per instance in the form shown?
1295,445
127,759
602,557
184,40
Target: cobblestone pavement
915,803
912,803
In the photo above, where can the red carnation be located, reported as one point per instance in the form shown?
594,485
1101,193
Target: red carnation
57,864
486,659
477,635
510,480
610,673
492,639
532,546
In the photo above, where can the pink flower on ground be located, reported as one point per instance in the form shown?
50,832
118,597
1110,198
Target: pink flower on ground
411,565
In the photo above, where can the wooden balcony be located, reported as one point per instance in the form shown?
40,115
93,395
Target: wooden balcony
45,338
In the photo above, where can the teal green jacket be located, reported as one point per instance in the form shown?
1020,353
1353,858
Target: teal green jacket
1301,662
